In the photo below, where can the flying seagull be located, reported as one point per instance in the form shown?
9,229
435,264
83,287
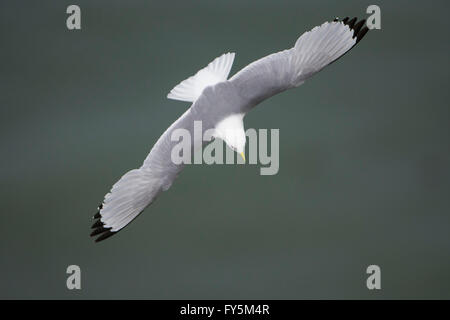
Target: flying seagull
221,104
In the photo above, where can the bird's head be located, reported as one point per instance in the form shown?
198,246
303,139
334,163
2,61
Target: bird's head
231,130
236,141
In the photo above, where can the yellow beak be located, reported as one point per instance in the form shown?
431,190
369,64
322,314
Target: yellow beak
243,156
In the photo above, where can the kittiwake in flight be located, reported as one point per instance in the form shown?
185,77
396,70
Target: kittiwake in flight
221,104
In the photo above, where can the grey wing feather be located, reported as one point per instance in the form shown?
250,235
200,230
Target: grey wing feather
283,70
138,188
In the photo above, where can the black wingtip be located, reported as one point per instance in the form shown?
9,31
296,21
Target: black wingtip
358,31
361,34
97,224
358,27
99,230
105,235
351,23
99,227
102,231
97,215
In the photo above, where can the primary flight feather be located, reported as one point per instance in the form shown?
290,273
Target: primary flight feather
221,105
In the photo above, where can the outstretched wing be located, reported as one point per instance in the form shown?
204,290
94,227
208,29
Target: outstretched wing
313,51
138,188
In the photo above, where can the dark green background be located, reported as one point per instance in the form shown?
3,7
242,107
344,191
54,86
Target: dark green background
364,154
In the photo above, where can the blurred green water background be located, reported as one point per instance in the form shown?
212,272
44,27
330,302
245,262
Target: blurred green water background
364,154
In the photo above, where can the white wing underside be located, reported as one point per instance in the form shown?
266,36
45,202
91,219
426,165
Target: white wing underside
191,88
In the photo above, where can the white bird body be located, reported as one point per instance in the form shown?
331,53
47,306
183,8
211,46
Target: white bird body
221,105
